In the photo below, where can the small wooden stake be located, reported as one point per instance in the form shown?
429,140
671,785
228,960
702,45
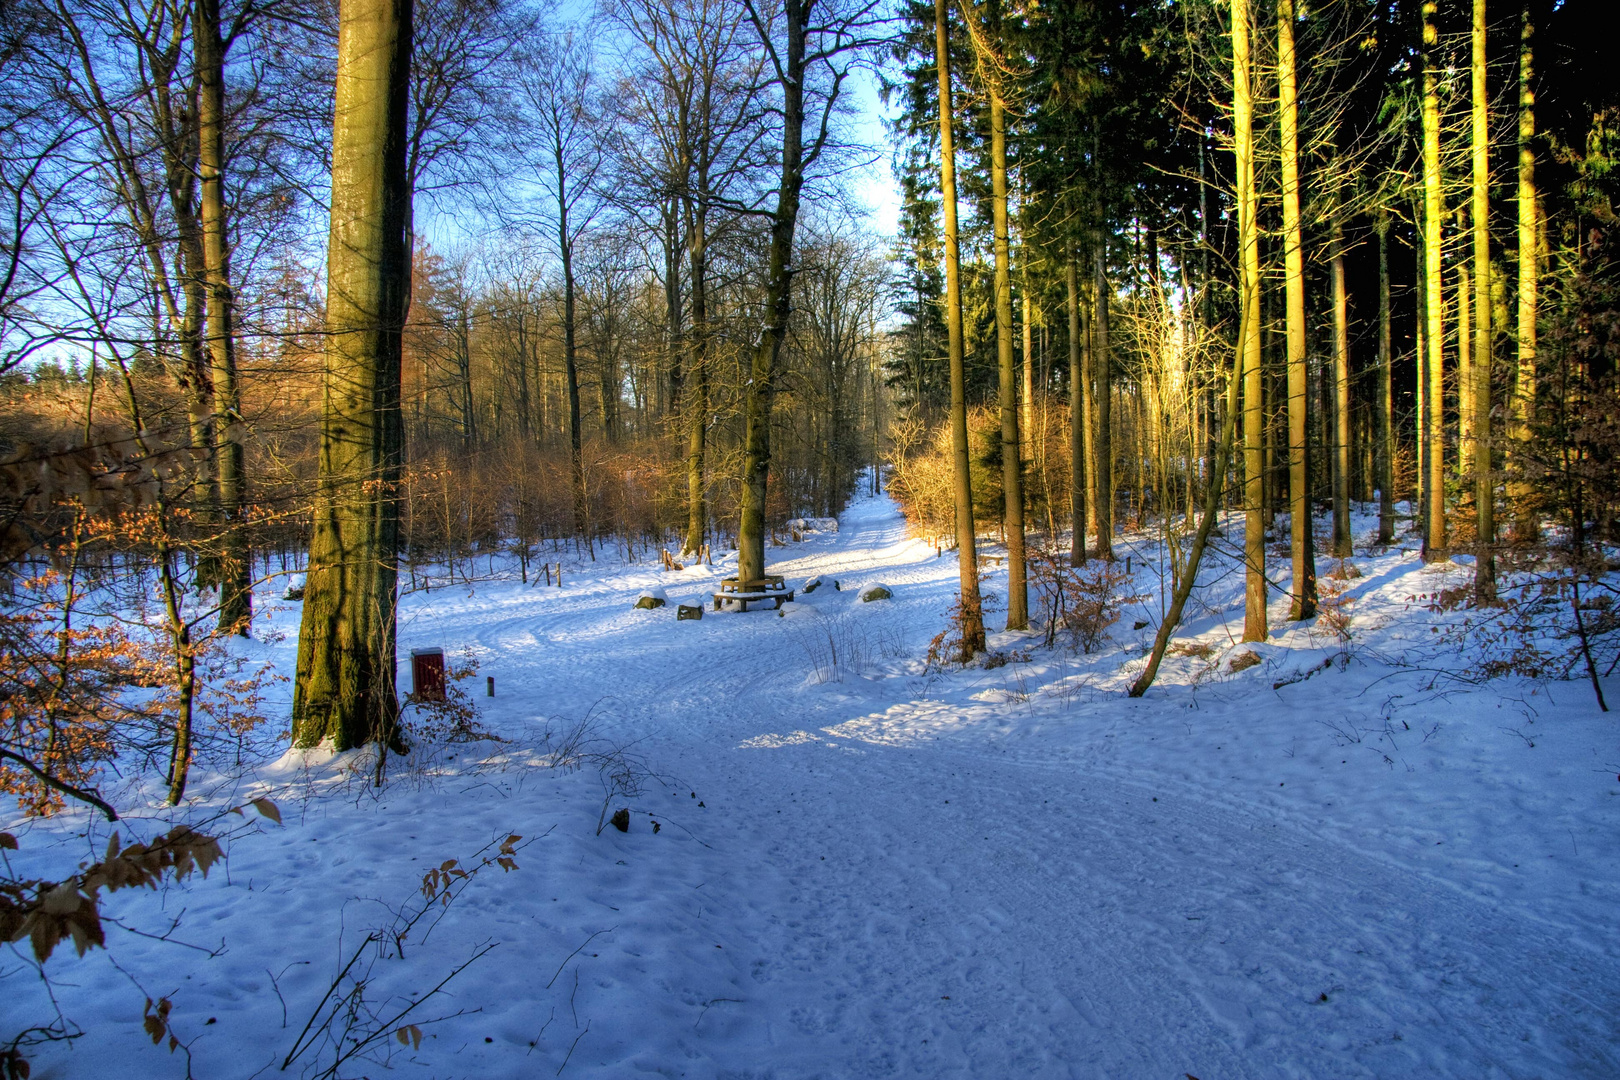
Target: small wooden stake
489,686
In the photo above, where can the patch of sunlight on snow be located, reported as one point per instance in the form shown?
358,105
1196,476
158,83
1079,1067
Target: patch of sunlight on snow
776,742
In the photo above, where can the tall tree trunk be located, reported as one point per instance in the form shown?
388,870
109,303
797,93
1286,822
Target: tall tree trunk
674,312
1432,370
1012,471
1341,400
697,402
236,591
1102,452
469,421
1420,434
1088,414
565,246
1026,415
1302,542
1254,528
1384,408
1484,475
1465,363
1525,525
971,608
344,690
1077,412
777,301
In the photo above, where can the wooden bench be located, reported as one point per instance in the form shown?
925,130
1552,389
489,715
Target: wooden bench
742,593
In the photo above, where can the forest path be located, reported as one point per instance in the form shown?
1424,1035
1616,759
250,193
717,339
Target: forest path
903,890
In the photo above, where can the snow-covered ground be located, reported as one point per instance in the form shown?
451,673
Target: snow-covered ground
863,868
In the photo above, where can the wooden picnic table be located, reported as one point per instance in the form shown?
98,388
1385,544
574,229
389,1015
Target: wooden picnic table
770,587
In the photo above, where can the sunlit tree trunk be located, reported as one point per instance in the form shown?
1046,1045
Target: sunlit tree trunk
1254,529
344,691
1341,399
1484,475
972,608
565,245
1302,542
1077,412
1465,366
1432,371
1525,526
1026,415
1102,453
1012,471
790,62
697,402
1384,407
236,593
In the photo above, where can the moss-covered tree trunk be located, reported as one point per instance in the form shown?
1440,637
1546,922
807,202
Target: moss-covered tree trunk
236,593
345,682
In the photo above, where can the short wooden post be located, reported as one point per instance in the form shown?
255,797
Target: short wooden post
489,686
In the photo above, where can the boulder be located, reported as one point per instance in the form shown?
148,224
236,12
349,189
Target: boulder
651,598
817,582
693,610
876,592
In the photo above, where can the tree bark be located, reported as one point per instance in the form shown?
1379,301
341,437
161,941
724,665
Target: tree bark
1012,471
971,607
1102,453
1484,475
1465,363
236,591
565,246
344,691
1026,384
1384,407
1341,400
1302,540
1432,371
697,402
1077,412
1525,525
778,291
1254,529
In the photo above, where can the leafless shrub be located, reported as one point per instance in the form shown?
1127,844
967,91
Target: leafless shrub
1083,602
839,646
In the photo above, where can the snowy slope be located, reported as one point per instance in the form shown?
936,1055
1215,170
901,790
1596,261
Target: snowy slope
864,868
